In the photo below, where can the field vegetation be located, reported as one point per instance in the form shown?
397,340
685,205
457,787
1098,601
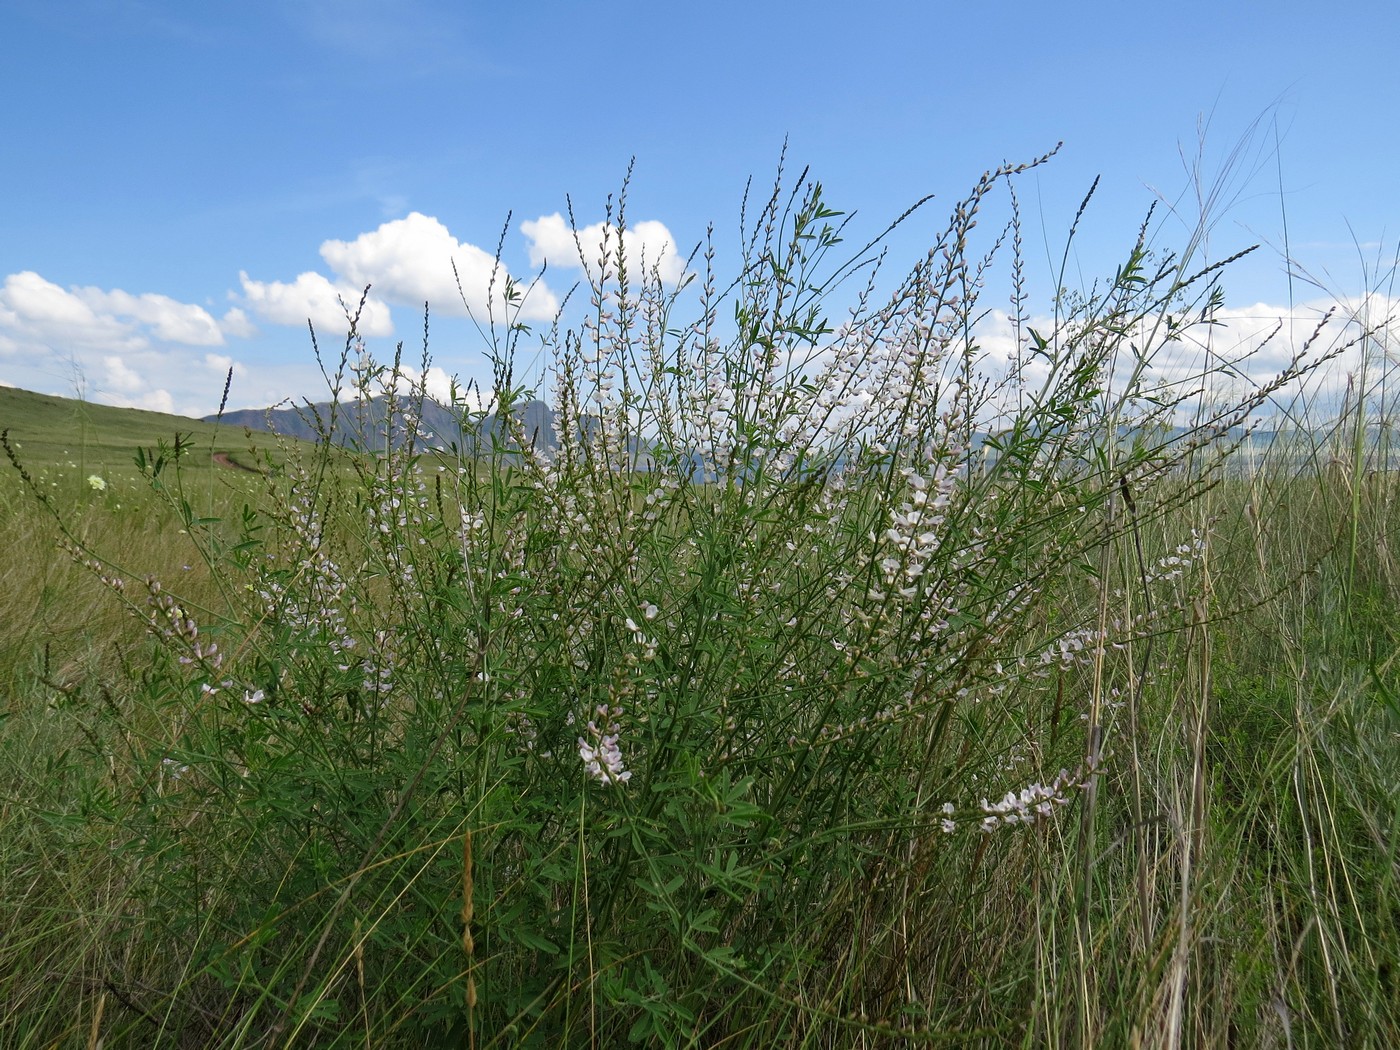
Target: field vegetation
826,681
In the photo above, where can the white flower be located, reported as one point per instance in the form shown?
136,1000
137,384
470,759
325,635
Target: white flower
96,483
255,697
604,762
601,756
173,768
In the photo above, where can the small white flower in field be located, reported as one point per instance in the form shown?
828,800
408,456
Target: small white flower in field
96,483
946,823
255,697
1033,803
601,756
173,768
604,761
649,611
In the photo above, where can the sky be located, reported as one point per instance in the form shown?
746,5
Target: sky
185,185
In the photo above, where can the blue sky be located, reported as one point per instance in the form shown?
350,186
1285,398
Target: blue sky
185,183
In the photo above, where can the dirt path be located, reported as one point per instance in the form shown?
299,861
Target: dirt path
222,459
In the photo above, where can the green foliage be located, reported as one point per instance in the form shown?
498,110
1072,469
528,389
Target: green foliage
815,682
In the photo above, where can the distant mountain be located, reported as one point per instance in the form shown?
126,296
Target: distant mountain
364,424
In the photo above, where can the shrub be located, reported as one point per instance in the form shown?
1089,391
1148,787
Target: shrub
697,716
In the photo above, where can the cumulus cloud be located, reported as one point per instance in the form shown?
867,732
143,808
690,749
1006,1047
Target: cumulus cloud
410,261
119,376
166,319
1243,350
36,309
235,323
312,297
152,400
160,380
646,245
125,349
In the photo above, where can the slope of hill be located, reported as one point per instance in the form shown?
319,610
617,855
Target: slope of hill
59,431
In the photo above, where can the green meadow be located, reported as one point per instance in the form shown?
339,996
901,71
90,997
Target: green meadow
825,681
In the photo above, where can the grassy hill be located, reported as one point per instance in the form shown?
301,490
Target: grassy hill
64,433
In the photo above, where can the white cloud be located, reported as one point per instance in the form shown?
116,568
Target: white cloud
439,385
235,323
161,380
312,297
1244,350
116,347
168,320
119,376
648,245
36,311
156,400
410,260
437,382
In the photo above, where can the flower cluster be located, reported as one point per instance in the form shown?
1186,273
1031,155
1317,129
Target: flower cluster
114,581
1032,803
639,636
913,533
171,621
601,756
1174,565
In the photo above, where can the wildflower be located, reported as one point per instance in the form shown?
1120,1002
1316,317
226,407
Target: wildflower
601,756
946,822
170,767
96,483
604,760
1033,803
255,697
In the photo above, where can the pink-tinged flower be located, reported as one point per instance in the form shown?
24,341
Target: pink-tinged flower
601,756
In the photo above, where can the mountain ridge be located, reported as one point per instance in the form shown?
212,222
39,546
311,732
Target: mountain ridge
367,424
